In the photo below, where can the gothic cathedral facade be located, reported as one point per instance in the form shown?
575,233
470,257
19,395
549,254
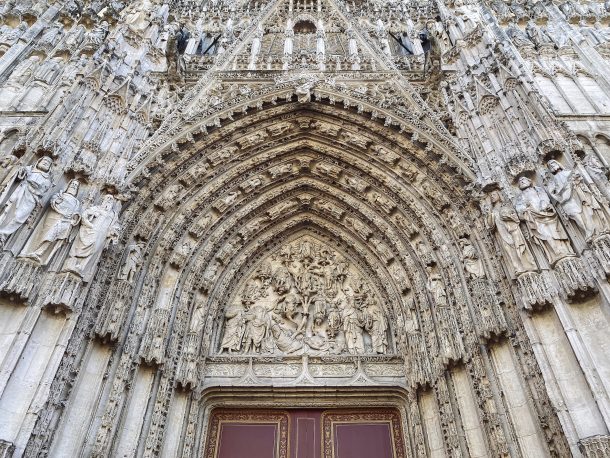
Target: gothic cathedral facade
304,228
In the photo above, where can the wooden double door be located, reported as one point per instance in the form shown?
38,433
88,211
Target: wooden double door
363,433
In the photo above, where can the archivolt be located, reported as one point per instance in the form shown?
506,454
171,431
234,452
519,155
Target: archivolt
214,206
385,107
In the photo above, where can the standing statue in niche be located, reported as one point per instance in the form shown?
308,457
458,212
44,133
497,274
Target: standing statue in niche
504,219
535,209
352,44
320,38
35,182
98,226
56,226
569,190
289,37
469,14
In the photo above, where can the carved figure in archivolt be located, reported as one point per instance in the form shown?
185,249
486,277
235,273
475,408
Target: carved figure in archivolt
98,226
35,182
569,190
62,216
503,218
436,287
133,260
305,298
472,263
535,209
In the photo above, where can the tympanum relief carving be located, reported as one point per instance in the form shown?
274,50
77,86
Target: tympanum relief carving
306,298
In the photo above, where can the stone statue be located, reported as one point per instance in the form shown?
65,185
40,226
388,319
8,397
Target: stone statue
137,16
518,37
436,287
469,15
49,70
320,39
133,260
256,47
597,171
98,226
9,35
8,174
257,328
352,44
377,326
535,209
352,325
23,71
382,36
472,263
95,38
284,339
35,182
537,35
504,219
569,190
288,38
235,326
50,235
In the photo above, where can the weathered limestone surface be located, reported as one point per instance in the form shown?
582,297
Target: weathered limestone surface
264,203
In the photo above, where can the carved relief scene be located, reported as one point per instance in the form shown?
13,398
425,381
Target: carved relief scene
305,298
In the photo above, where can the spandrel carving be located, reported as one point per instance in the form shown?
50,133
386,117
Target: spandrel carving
305,298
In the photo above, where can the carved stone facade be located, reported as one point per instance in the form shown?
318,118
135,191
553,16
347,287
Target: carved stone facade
290,204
